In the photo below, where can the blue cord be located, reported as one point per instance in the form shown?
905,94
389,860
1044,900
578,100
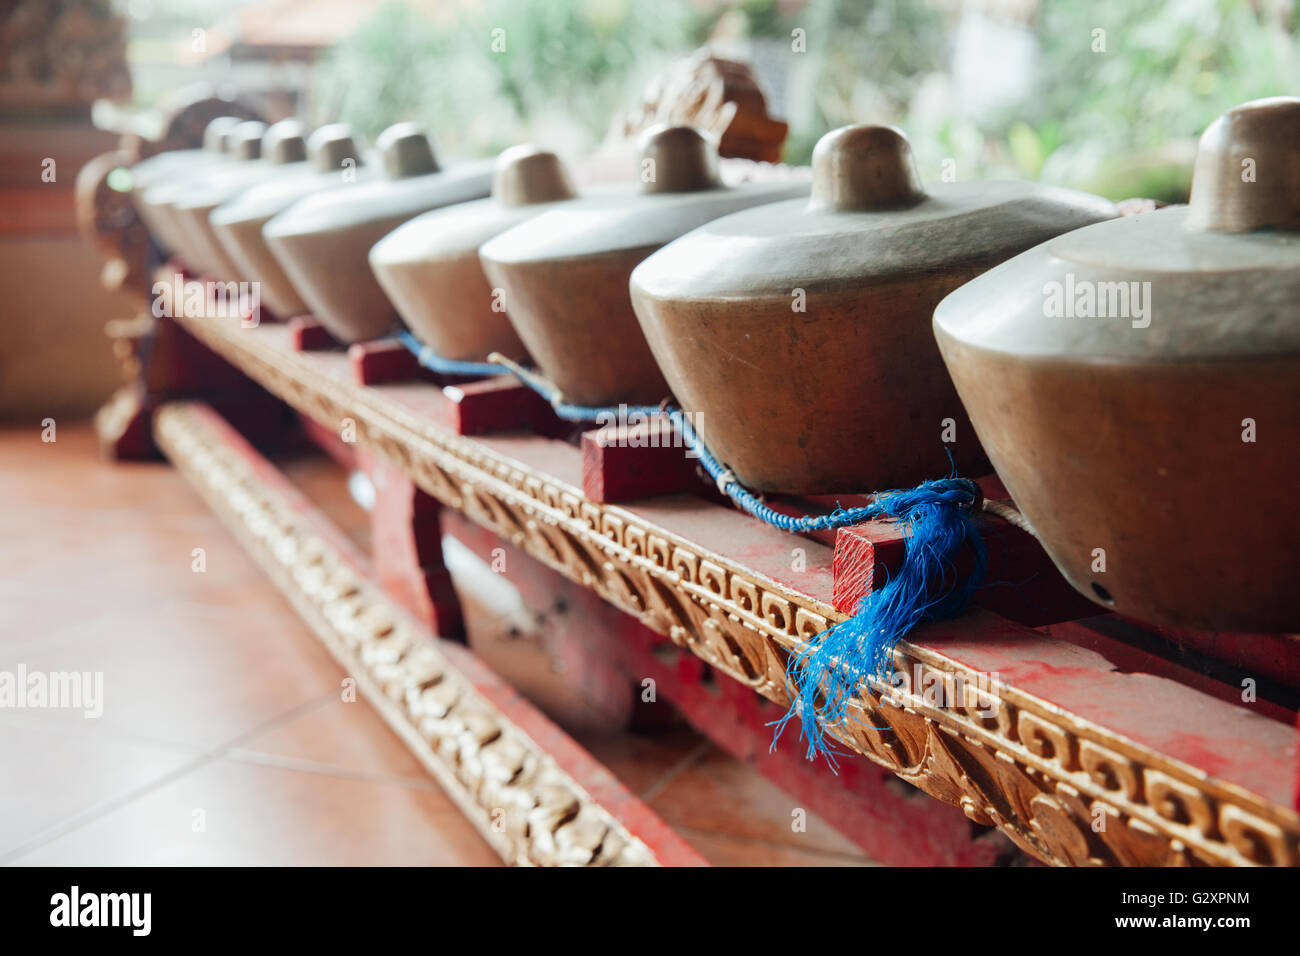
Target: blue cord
445,366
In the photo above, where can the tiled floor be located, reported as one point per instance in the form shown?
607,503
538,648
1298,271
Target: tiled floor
224,738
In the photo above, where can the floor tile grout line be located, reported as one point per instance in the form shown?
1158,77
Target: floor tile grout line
677,769
89,815
66,721
279,762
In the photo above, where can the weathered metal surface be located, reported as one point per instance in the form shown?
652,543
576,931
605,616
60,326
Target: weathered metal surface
799,331
1137,386
430,269
323,241
565,272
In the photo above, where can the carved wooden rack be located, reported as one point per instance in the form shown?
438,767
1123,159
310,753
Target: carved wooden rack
1059,739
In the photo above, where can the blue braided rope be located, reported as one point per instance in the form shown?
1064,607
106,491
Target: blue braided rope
572,413
445,366
956,491
575,413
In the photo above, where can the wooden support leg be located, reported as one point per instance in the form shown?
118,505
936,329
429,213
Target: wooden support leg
167,363
406,546
123,426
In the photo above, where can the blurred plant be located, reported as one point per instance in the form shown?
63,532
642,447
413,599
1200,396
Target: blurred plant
479,79
381,73
1122,121
861,59
578,54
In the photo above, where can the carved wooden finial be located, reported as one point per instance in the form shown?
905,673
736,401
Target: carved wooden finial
714,94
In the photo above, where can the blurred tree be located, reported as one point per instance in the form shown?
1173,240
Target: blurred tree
1121,120
1119,117
479,80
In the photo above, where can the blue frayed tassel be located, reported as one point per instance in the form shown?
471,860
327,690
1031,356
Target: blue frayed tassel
825,674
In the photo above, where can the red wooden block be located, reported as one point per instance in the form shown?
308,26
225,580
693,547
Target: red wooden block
1020,582
383,360
308,335
864,555
625,462
500,403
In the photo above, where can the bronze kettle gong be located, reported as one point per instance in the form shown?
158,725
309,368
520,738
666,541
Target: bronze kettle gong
323,241
1137,386
334,162
161,166
283,155
564,273
430,266
799,332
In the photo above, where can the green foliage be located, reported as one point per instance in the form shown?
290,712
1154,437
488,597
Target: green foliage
479,79
382,73
576,52
1167,71
1104,119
